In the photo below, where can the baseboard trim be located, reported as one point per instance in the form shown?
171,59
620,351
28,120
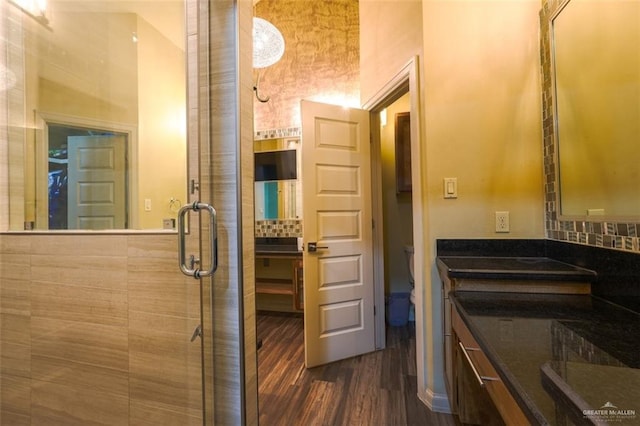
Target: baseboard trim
437,402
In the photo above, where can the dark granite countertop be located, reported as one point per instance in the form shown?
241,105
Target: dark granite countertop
277,246
556,352
513,268
269,251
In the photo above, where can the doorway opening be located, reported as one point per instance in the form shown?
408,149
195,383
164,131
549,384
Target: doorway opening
403,194
399,96
395,193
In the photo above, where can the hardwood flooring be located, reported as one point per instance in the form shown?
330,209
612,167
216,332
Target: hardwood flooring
370,390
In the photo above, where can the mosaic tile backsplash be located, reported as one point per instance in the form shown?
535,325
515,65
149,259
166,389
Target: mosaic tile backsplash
613,235
278,228
289,132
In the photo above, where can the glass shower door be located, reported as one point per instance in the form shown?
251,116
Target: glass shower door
100,326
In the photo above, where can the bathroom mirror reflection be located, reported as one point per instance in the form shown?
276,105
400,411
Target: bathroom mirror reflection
277,173
597,101
276,200
96,112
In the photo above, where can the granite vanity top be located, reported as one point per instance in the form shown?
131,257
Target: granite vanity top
277,246
559,354
513,268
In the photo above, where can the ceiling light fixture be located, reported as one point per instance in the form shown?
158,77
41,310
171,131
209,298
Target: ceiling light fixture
268,48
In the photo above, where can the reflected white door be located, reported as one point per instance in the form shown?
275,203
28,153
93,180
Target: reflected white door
96,182
338,277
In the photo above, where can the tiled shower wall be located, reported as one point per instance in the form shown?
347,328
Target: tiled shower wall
614,235
95,330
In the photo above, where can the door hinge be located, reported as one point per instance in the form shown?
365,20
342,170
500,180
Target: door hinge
373,224
374,310
194,186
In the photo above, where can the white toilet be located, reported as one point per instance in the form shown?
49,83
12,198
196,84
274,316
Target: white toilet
408,251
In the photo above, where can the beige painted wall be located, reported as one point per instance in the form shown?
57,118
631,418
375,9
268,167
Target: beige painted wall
390,35
162,126
480,122
482,116
481,125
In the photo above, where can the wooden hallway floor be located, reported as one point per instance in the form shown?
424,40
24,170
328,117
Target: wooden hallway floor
369,390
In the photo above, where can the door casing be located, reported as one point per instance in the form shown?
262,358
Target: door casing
406,80
44,119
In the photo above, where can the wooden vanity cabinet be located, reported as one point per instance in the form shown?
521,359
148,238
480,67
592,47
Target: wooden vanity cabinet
481,397
478,402
279,274
476,392
448,343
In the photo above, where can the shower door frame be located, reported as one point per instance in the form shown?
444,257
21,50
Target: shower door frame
225,181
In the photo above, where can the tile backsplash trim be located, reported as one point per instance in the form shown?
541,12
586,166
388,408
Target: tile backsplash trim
278,228
289,132
612,235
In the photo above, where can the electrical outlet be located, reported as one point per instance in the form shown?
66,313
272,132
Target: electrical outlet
502,221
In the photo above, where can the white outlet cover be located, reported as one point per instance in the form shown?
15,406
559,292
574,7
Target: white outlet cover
502,221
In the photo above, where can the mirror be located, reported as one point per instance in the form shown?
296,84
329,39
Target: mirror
596,58
277,196
96,96
276,200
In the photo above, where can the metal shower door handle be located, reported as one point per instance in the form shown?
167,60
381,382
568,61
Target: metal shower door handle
191,270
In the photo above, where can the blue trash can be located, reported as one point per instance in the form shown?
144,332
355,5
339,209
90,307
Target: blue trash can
398,309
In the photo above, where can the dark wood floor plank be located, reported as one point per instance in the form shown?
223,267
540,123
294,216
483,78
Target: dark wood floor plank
374,389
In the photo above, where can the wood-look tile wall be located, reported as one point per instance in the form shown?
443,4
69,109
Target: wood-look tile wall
96,330
12,116
247,265
228,184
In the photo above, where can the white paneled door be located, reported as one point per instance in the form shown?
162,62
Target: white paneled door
338,260
96,182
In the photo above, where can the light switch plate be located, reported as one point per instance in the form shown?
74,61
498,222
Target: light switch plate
451,187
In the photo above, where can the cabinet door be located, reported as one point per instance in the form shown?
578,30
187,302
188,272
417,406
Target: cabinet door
447,332
475,406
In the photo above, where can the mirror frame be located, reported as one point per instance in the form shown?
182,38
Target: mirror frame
608,232
296,223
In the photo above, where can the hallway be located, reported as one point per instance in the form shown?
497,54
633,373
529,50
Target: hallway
373,389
